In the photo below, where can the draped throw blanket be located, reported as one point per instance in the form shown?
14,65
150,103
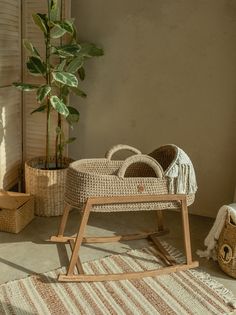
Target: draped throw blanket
181,174
213,236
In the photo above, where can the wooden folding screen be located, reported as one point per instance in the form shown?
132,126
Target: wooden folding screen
10,98
21,135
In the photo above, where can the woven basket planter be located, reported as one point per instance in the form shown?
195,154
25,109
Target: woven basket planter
227,248
48,186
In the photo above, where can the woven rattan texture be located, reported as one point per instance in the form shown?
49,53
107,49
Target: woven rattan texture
98,178
14,220
48,186
227,249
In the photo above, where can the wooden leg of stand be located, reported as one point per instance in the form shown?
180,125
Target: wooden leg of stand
64,220
109,239
79,238
187,241
78,263
126,275
71,276
160,224
164,252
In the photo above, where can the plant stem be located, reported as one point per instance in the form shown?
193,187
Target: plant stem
48,80
58,144
58,141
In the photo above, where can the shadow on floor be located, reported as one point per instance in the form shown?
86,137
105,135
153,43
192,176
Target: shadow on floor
10,309
40,229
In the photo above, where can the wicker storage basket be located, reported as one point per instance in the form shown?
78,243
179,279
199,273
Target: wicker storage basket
16,211
138,174
227,248
47,186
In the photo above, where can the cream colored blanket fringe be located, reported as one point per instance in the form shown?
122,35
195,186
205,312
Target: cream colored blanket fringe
213,236
181,175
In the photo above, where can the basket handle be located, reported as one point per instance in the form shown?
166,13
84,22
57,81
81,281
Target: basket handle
141,158
119,147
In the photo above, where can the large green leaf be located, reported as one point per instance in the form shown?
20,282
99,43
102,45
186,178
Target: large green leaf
53,4
36,66
90,50
64,93
60,28
66,25
74,35
54,10
75,64
25,86
59,106
61,66
39,109
30,47
41,21
81,73
43,92
57,31
78,92
67,50
73,116
65,78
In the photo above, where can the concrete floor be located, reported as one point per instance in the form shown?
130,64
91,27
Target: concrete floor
29,252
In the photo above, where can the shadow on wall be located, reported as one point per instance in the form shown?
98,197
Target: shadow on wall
173,82
17,310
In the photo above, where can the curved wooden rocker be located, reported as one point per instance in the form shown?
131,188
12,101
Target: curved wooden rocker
75,242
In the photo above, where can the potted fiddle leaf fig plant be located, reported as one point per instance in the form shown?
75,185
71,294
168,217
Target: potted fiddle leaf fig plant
61,69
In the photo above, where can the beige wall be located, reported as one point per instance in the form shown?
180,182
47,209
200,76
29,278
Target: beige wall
168,76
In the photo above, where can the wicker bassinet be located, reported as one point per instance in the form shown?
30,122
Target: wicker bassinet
166,170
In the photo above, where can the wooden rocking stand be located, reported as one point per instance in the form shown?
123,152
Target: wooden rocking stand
75,242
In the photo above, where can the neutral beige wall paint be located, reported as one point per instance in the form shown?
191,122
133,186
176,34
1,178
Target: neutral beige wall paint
168,76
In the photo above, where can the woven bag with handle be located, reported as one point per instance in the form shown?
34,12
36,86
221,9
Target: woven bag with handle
226,253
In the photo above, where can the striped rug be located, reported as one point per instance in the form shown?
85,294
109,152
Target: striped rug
187,292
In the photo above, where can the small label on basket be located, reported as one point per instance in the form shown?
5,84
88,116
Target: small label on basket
140,188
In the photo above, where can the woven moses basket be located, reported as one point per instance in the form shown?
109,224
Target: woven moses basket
167,170
227,248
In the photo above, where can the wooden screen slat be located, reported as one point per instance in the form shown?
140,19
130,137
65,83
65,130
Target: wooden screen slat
10,136
10,98
10,42
35,125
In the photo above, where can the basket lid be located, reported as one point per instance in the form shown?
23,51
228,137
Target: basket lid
13,200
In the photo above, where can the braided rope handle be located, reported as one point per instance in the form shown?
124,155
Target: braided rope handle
120,147
141,158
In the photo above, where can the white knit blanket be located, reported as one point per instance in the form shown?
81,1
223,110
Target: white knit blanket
213,236
181,174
